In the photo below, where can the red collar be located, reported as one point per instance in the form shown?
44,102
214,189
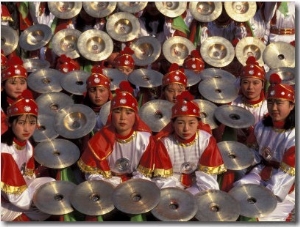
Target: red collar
278,124
182,141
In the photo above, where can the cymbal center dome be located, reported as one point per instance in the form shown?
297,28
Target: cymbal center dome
240,7
173,205
214,207
234,116
136,197
205,8
251,200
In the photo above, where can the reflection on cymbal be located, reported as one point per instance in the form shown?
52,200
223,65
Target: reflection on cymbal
205,11
116,76
145,78
104,112
287,74
217,73
240,11
192,77
75,82
31,65
207,110
9,39
45,128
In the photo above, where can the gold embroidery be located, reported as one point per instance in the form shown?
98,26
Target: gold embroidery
287,169
279,130
18,147
92,170
13,189
187,144
128,139
163,172
146,171
213,170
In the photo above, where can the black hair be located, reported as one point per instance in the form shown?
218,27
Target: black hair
4,103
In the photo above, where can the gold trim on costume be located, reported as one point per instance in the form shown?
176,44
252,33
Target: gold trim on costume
128,139
187,144
13,189
213,170
29,172
287,169
19,147
163,172
146,171
93,170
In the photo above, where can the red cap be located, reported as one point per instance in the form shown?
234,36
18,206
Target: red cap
277,90
97,78
66,64
185,106
252,69
124,97
14,68
175,75
125,58
194,61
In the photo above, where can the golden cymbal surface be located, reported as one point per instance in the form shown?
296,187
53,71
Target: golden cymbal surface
65,10
99,9
9,39
145,78
192,77
104,112
45,128
171,9
74,82
287,74
205,11
217,73
131,7
116,76
207,110
31,64
240,11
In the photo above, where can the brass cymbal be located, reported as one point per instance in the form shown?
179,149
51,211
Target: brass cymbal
136,196
45,130
50,103
93,197
53,197
9,39
216,90
205,11
234,116
75,82
236,156
95,45
116,76
65,42
75,121
146,49
35,37
287,74
65,10
171,9
217,51
250,46
31,64
123,26
216,205
255,200
131,7
145,78
45,80
217,73
104,112
175,204
177,48
240,11
192,77
279,54
99,9
56,153
207,110
156,113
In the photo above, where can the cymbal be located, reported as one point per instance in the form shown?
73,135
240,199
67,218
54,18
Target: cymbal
136,196
93,197
236,156
171,9
207,110
145,78
255,200
205,11
35,37
75,121
9,39
156,113
279,54
53,197
146,49
75,82
50,103
240,11
45,130
131,7
65,10
116,76
216,90
217,73
287,74
104,112
65,42
57,153
99,9
95,45
217,51
234,116
123,26
175,204
250,46
177,48
31,64
45,80
216,205
192,77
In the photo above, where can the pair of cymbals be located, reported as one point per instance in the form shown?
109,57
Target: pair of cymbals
116,76
131,7
31,64
240,11
217,73
45,129
99,9
205,11
207,111
65,10
74,82
9,39
171,9
147,78
287,74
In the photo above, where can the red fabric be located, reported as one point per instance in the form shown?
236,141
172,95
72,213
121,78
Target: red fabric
289,157
4,125
211,156
21,218
162,158
228,179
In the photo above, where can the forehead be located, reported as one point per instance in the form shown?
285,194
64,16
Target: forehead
174,86
25,117
186,118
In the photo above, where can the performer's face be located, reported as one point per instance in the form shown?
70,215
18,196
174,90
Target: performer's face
23,127
251,88
172,90
15,86
123,120
185,126
98,95
279,109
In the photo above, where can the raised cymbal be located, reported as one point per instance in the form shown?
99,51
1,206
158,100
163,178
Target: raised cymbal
240,11
65,42
116,76
236,156
279,54
123,26
177,48
93,197
192,77
9,39
131,7
104,112
217,90
75,121
53,197
145,78
136,196
250,46
146,49
65,10
45,128
171,9
95,45
31,64
216,205
205,11
175,204
57,153
156,113
287,74
234,116
45,80
35,37
207,110
75,82
99,9
255,200
217,51
217,73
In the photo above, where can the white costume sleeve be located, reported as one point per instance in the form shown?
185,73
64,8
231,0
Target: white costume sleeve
206,181
115,180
